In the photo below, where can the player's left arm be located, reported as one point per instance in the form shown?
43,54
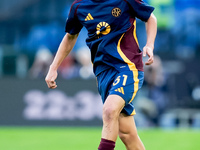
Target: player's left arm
151,29
64,49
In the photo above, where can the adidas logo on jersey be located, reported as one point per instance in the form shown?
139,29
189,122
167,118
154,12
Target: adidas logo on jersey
89,17
121,90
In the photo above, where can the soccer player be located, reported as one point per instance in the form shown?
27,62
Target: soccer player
116,57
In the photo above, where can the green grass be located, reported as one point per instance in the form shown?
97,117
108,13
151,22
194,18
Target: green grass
15,138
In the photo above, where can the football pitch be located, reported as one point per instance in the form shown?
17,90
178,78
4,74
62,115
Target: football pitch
82,138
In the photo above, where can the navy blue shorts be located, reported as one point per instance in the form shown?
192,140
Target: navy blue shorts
125,84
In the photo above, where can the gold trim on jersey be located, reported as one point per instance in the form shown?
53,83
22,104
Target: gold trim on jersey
134,33
132,68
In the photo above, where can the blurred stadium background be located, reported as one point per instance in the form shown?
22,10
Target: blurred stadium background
30,32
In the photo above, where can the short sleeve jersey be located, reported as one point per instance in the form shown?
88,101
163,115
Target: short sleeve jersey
111,26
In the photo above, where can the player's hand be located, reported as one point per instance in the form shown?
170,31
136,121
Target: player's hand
50,78
148,51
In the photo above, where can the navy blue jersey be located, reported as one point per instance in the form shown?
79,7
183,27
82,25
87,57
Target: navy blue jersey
111,29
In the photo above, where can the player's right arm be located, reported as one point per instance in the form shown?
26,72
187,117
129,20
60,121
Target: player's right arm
64,49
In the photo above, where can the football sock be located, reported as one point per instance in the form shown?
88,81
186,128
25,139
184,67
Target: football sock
106,145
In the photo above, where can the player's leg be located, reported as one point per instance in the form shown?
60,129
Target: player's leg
128,133
111,111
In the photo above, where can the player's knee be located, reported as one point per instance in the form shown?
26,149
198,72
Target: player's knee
109,113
